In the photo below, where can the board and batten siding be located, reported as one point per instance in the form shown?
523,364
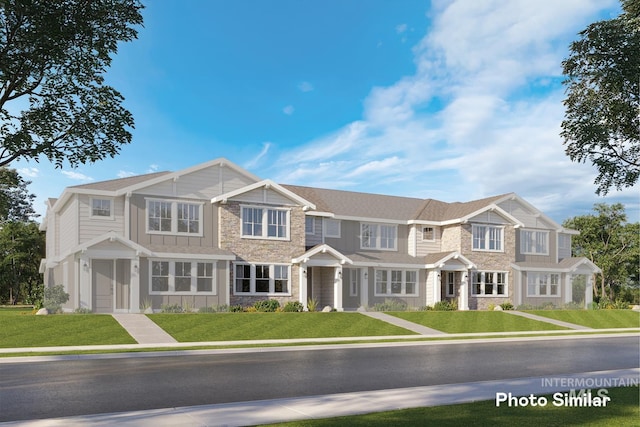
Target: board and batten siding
90,227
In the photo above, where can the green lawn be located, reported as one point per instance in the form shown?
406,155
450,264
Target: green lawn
623,410
459,322
21,328
598,319
263,326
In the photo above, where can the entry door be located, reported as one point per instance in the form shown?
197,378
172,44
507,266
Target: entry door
102,279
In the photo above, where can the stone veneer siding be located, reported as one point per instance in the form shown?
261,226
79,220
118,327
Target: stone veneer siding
490,261
262,251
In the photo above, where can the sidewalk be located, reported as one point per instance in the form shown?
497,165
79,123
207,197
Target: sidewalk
411,326
327,406
142,329
548,320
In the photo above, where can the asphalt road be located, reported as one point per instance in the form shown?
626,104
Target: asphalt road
90,386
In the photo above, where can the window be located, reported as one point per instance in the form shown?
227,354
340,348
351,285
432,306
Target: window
489,283
309,225
428,234
265,223
543,284
331,227
172,217
534,242
487,238
101,208
451,284
261,279
378,236
353,282
396,282
183,277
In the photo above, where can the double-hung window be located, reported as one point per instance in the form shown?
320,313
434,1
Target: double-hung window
174,217
262,279
534,242
378,236
487,238
182,277
396,282
543,284
101,208
265,223
489,283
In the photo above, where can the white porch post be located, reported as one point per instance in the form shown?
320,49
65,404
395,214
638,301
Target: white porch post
364,287
568,288
134,288
302,283
588,291
337,289
463,302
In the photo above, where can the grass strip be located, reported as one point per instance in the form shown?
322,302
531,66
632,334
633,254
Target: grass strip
597,319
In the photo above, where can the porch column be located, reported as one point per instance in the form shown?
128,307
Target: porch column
302,282
568,288
364,287
588,291
337,288
463,302
134,288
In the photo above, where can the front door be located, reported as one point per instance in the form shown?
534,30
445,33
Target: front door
102,279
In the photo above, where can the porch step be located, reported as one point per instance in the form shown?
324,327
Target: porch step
413,327
142,329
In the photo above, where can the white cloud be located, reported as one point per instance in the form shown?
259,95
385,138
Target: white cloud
125,174
76,176
153,168
305,87
401,28
288,110
29,172
254,162
474,111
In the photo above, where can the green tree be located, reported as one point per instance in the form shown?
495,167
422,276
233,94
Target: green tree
53,99
22,246
16,203
612,244
601,122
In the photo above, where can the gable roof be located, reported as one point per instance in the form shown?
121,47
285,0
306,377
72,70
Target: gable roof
269,185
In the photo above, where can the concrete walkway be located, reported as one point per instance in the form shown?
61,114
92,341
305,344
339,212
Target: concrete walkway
548,320
414,327
142,329
343,404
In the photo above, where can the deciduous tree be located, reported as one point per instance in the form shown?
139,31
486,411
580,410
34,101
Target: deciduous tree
602,118
53,98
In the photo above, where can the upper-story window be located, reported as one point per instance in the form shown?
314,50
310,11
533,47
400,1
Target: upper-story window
378,236
101,208
564,242
534,242
309,225
488,238
428,234
265,223
174,217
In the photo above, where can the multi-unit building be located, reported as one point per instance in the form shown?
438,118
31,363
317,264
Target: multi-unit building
215,234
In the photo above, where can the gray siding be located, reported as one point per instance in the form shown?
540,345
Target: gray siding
349,242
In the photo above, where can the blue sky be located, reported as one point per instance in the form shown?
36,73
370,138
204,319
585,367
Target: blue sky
452,100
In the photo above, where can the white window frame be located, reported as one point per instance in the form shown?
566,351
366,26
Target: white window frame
192,274
487,237
273,268
378,235
390,275
541,283
109,200
484,275
530,242
332,228
433,233
309,220
174,217
265,223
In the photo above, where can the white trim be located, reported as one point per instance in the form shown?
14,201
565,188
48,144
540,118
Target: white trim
533,244
174,216
272,278
306,257
483,283
265,222
193,276
378,236
537,283
433,232
110,217
403,283
487,238
268,185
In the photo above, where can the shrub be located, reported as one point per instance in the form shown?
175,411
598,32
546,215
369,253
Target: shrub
172,308
312,304
206,310
54,297
506,305
573,306
293,306
445,306
82,310
491,307
236,309
267,306
426,308
390,305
